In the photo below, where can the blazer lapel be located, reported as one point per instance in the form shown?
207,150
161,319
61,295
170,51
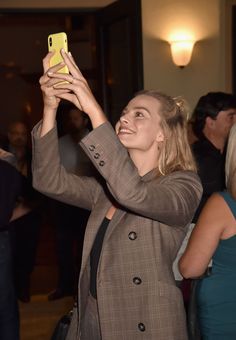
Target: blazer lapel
97,216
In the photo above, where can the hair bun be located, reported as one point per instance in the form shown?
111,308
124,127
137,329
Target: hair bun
183,107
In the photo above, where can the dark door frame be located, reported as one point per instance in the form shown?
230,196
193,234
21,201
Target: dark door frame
130,12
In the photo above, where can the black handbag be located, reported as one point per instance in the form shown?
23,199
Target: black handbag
62,326
192,314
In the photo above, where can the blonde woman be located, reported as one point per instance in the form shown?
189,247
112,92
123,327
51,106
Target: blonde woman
214,236
139,212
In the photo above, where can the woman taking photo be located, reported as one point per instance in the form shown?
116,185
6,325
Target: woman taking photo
140,210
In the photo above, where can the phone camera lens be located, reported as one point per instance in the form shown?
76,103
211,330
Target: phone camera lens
50,41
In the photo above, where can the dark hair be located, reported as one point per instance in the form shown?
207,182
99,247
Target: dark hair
209,106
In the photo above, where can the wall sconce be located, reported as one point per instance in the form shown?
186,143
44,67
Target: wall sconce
181,51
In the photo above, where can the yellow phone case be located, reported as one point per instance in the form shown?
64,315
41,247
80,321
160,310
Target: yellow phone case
56,42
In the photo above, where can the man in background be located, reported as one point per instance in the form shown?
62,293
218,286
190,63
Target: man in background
26,228
8,157
12,208
212,118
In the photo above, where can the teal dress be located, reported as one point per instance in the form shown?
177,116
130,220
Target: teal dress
216,294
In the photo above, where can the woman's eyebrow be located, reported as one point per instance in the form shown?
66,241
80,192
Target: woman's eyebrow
141,108
135,108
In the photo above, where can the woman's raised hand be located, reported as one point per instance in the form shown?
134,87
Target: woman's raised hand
74,88
51,101
50,95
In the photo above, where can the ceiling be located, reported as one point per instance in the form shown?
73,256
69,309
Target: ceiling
54,3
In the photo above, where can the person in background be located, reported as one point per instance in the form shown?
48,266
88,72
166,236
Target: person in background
212,119
209,128
191,135
18,145
28,226
7,156
139,212
71,220
214,237
12,207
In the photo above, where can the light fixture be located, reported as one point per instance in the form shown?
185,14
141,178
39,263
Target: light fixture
181,51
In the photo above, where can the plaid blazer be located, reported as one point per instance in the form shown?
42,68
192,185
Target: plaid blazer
136,292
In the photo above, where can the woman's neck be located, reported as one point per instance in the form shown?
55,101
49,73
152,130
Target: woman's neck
144,161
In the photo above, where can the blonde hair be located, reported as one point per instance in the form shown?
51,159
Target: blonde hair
175,153
230,164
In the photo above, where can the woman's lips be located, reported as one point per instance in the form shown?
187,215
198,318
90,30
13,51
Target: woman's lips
125,131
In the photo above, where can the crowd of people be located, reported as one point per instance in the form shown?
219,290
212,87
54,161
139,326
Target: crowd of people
127,200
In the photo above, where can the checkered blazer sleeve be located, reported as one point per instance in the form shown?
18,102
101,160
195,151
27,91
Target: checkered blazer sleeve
51,178
170,199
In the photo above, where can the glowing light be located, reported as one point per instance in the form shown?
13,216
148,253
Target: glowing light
181,51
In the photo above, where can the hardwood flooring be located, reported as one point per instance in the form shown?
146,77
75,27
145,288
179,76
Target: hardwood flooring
38,318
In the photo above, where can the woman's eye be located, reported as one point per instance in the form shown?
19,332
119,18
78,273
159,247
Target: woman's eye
139,114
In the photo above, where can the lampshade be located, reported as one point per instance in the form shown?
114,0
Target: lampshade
181,51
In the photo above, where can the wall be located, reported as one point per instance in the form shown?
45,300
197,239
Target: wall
226,36
206,71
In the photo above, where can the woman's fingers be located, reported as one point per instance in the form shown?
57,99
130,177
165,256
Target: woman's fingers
50,85
46,61
73,86
63,76
71,98
68,96
60,92
45,76
71,64
51,95
64,81
74,63
53,71
77,86
72,68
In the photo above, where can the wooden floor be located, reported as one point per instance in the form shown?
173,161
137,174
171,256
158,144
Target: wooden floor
39,317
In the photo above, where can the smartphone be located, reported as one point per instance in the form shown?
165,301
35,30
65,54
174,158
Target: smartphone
56,42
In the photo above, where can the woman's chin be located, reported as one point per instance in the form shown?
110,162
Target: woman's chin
123,142
122,138
127,140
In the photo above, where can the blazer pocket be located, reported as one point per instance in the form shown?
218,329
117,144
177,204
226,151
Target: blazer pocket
169,291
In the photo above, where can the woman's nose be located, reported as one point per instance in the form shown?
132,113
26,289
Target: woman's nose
124,118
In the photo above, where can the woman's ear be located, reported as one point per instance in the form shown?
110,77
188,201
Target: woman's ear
160,136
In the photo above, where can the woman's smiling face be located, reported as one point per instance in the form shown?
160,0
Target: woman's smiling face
139,125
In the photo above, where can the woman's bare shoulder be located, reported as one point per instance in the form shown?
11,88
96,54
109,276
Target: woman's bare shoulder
215,211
